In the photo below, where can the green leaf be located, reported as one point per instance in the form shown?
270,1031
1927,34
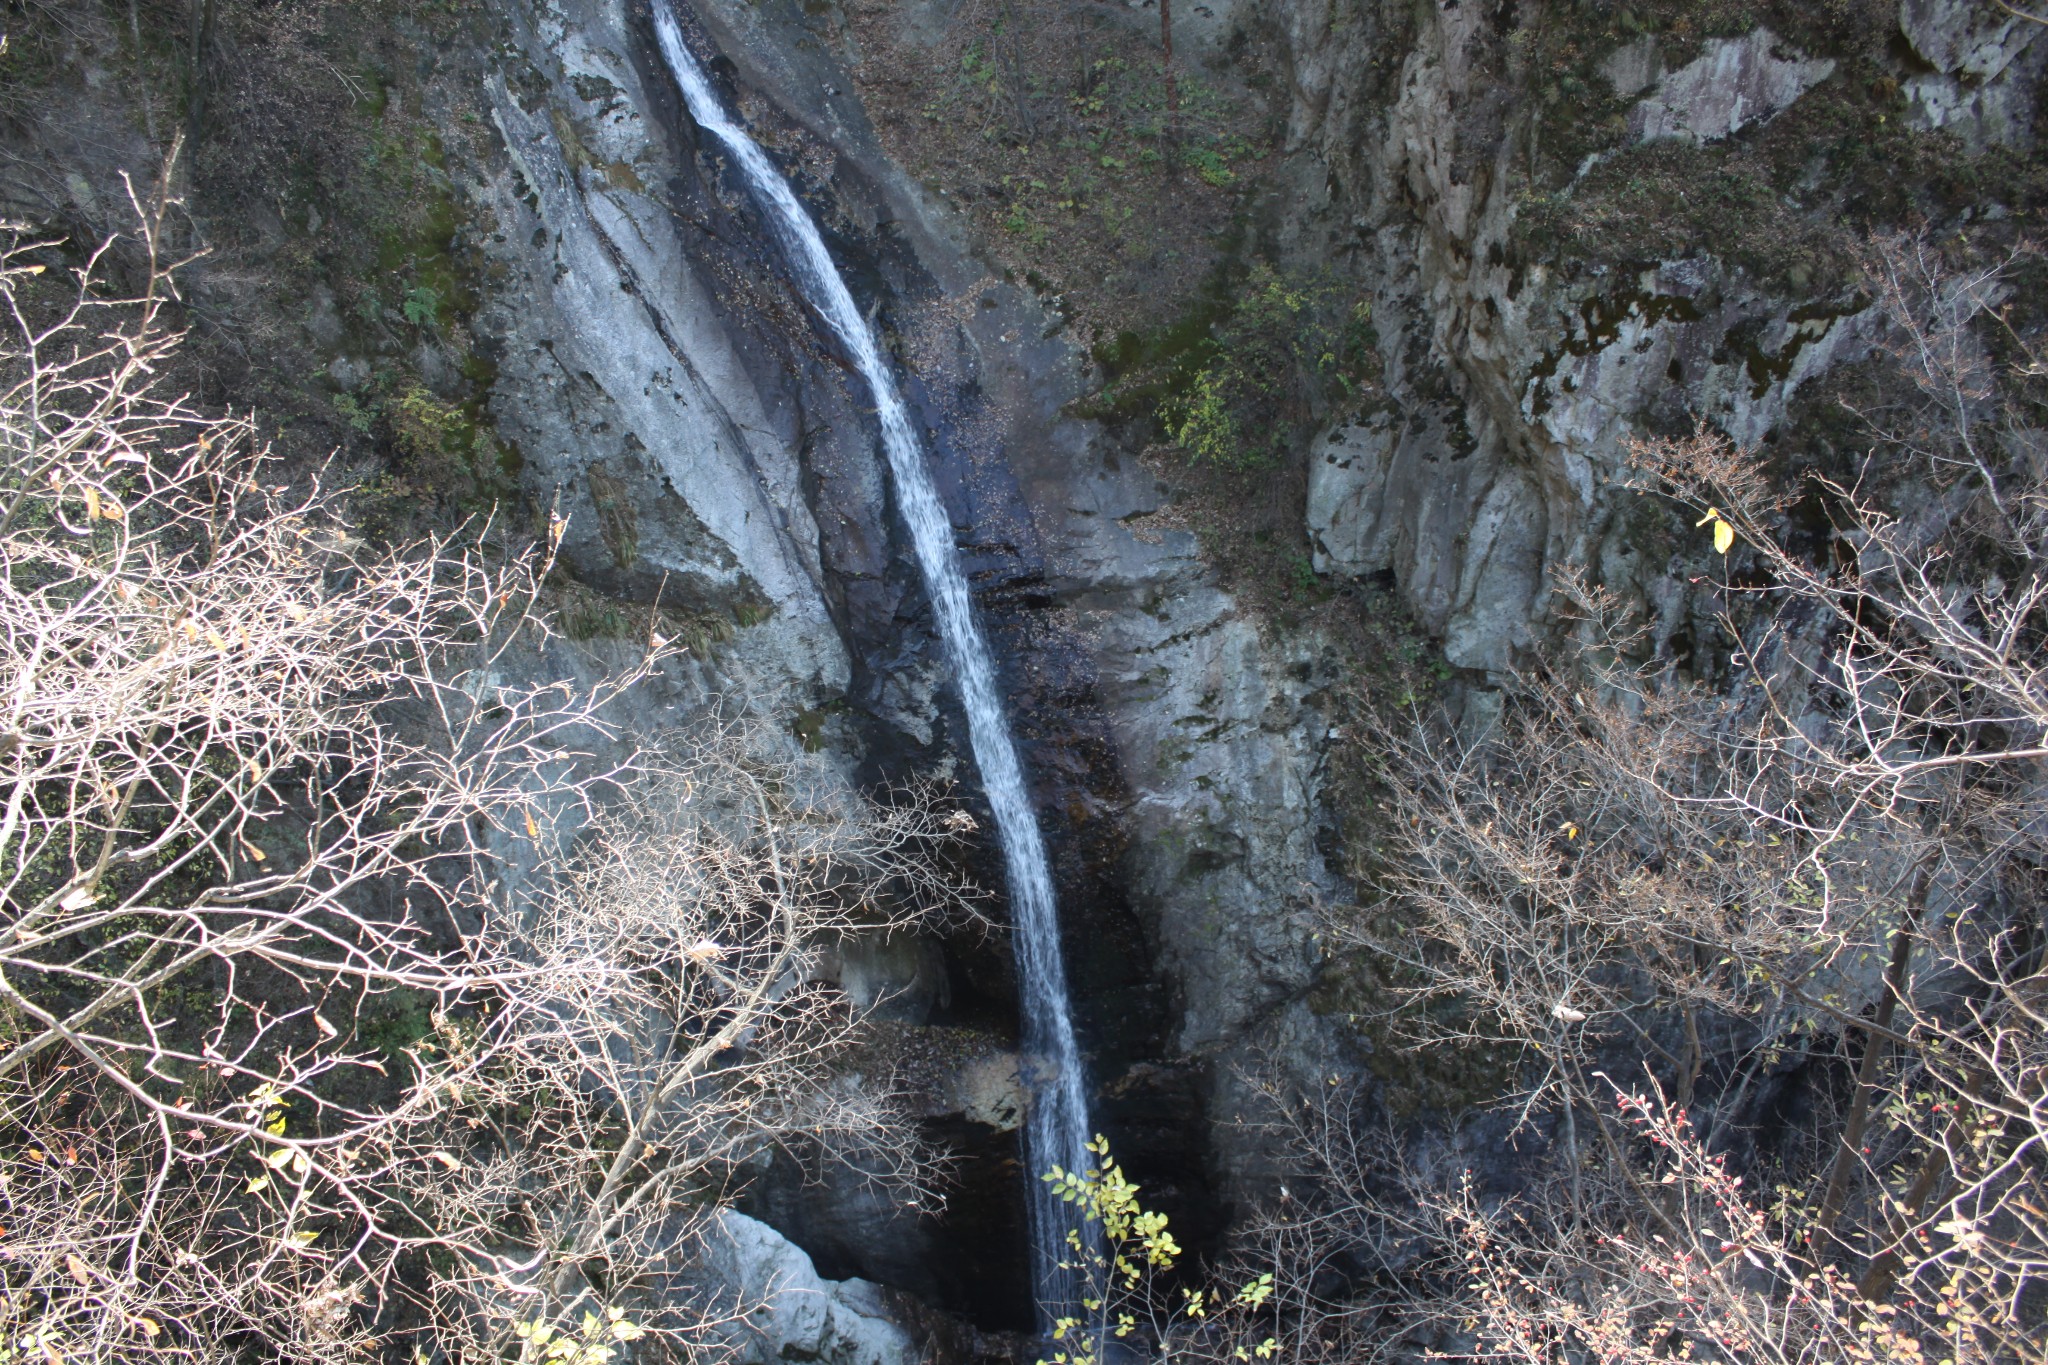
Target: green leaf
422,306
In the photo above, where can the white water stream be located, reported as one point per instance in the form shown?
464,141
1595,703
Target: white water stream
1056,1129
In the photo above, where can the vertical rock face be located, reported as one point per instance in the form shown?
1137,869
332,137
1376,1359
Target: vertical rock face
1512,390
658,374
625,371
1513,387
1174,744
1151,705
706,449
1987,64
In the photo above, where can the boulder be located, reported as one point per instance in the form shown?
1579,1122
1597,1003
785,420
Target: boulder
780,1309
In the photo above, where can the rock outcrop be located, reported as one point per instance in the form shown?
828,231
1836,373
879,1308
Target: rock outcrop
1987,63
673,406
1512,386
1734,83
777,1309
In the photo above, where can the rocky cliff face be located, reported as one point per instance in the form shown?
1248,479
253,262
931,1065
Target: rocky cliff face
704,443
1570,231
1516,371
657,372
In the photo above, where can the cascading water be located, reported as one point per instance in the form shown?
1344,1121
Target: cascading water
1056,1130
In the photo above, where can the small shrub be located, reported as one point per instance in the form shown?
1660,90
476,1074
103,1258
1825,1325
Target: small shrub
422,307
1126,1298
1209,164
1270,369
360,416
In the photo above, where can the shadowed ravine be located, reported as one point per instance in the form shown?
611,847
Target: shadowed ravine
1057,1128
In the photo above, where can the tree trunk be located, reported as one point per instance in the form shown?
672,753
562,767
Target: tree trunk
1866,1074
201,35
1172,89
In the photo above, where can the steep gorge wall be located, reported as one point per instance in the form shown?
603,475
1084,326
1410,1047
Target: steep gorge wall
1713,188
621,327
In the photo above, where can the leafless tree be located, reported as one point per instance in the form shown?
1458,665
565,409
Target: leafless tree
681,1005
354,992
1712,1278
1841,843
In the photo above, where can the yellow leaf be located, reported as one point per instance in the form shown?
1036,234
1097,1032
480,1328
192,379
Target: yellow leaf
149,1326
275,1123
258,1184
92,503
532,830
1724,536
78,1270
305,1237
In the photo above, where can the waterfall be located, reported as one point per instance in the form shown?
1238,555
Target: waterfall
1056,1129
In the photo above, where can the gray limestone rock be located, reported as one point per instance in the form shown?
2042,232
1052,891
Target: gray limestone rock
1347,493
1987,72
1493,366
617,377
1997,112
1503,576
783,1311
1965,37
1733,83
1634,68
989,1090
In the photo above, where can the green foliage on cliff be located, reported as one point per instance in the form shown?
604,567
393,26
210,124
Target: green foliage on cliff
1248,392
1049,128
1126,1294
